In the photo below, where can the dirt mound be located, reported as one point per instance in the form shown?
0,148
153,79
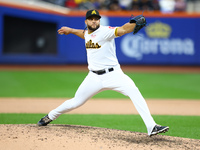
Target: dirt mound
72,137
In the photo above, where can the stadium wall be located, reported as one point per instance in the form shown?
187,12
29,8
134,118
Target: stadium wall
28,35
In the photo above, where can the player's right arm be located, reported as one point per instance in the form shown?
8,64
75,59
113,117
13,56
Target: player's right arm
67,30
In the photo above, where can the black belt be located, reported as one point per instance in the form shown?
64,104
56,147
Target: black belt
100,72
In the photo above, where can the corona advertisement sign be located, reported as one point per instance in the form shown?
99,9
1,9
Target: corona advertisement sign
158,30
158,42
168,39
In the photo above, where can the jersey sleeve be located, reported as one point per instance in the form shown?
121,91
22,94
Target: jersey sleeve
110,32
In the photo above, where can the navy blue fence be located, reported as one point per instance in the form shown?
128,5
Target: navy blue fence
30,37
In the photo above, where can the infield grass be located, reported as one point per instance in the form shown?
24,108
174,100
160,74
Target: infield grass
64,84
180,126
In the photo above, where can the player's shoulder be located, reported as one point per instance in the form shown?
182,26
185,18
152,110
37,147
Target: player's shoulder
107,27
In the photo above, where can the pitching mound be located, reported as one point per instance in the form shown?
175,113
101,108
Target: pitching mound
71,137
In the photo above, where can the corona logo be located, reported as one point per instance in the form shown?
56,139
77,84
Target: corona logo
93,12
158,30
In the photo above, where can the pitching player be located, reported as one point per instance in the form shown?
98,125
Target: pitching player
104,69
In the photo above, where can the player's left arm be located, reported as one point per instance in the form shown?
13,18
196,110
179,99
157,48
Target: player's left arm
126,28
135,24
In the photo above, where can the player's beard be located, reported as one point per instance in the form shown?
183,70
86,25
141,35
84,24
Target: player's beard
93,29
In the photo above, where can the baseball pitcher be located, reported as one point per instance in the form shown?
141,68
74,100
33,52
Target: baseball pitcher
104,69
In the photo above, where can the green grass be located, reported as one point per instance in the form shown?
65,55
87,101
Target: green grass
180,126
39,84
65,84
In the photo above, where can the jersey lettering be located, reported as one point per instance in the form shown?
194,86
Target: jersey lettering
89,44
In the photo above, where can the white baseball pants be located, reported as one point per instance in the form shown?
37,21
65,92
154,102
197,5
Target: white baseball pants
115,80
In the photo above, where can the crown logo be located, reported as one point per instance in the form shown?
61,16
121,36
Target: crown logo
93,12
158,30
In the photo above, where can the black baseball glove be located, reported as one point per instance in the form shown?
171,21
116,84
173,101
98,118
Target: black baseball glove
140,22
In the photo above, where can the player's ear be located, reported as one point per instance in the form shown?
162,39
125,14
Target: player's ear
86,22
